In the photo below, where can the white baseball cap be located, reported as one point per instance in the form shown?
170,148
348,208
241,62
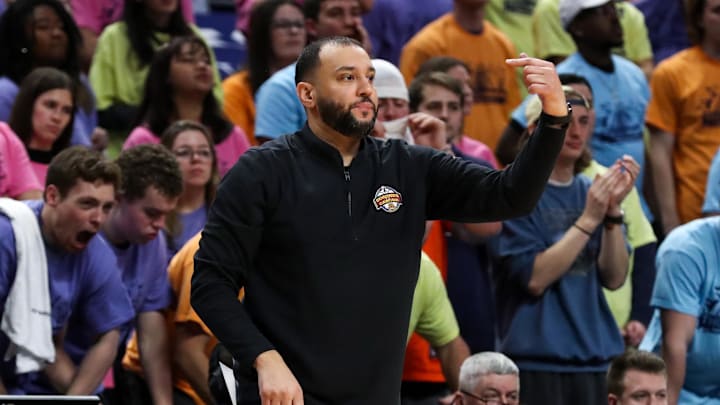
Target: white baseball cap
389,82
569,9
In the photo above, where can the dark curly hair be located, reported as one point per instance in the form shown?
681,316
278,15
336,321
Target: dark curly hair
149,165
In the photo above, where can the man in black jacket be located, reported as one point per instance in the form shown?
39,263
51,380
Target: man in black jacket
323,228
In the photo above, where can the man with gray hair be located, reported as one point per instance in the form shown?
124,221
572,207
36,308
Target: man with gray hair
489,377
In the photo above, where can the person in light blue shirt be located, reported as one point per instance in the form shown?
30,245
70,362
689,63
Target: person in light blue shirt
711,206
278,109
686,325
619,86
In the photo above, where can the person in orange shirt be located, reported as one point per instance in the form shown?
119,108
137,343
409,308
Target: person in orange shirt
190,342
277,35
465,35
684,118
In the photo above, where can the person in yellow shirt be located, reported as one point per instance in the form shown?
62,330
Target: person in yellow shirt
684,119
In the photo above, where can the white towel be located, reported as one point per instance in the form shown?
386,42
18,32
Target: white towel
26,319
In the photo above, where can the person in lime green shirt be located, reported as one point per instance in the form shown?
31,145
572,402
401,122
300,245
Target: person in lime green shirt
553,43
514,19
123,55
432,317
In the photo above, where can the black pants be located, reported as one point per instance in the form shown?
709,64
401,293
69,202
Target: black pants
543,388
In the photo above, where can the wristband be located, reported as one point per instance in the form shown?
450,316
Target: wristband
583,230
563,122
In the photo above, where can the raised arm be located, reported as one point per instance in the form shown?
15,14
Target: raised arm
461,192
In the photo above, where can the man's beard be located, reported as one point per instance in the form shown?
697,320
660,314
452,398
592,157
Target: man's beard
343,121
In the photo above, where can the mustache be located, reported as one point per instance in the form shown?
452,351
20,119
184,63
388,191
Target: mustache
364,100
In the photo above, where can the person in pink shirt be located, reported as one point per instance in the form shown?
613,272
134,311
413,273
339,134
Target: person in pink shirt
179,87
17,179
92,16
42,116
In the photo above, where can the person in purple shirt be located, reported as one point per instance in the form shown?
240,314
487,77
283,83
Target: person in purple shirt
391,24
84,286
150,186
193,147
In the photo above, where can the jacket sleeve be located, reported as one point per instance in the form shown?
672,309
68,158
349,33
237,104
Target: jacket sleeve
222,263
465,192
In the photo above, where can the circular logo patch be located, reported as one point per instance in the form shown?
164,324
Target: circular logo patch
387,199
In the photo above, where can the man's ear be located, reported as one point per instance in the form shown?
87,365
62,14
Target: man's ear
612,399
52,195
306,94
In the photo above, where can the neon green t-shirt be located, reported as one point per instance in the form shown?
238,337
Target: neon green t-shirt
432,316
551,39
514,19
116,75
639,233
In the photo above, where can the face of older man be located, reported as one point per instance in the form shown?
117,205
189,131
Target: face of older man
494,389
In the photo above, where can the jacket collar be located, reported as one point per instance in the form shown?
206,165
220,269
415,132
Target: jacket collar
308,140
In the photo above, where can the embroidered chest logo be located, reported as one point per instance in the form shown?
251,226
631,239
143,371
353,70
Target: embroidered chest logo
387,199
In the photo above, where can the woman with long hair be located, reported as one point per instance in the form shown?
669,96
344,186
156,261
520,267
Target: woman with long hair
36,33
42,116
193,146
124,53
276,38
179,87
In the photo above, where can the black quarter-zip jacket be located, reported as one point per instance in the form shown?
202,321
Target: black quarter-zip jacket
329,255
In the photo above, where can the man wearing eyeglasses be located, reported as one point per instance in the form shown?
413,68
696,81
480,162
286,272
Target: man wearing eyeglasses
488,378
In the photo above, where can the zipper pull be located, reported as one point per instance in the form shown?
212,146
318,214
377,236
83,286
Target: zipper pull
347,175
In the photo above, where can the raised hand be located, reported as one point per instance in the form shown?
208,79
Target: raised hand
629,170
428,131
542,79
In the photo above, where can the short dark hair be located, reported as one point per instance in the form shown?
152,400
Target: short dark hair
639,360
148,165
441,64
433,79
694,10
80,163
572,78
309,58
38,82
311,8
